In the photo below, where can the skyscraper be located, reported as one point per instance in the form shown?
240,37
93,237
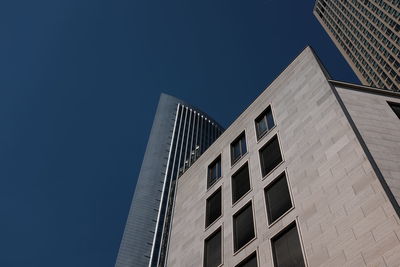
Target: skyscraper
307,175
179,135
367,33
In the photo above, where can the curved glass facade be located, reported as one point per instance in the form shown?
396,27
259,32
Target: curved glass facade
179,135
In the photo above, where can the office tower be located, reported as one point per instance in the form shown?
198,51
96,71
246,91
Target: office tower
367,33
179,135
307,175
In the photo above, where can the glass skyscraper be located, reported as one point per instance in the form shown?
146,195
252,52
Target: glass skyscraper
179,135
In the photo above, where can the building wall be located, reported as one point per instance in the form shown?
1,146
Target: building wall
138,236
380,129
342,212
357,71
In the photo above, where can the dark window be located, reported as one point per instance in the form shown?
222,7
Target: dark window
277,198
238,148
212,250
240,183
286,248
264,123
396,108
243,227
213,207
270,156
214,172
250,261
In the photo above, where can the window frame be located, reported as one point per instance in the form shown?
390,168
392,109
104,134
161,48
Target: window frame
260,117
396,104
280,233
236,140
261,158
235,249
269,185
245,165
219,189
245,260
213,163
219,229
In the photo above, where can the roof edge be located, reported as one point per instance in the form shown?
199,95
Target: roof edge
186,104
364,88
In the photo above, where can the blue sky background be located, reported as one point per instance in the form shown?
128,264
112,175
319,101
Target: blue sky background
79,84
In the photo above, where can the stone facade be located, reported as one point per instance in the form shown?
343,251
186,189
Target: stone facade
343,214
377,125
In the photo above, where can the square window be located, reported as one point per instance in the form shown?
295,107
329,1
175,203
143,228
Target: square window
214,172
277,198
270,155
250,261
286,248
240,183
238,148
243,227
213,207
264,123
395,107
212,250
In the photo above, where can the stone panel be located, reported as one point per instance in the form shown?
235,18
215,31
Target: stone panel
380,129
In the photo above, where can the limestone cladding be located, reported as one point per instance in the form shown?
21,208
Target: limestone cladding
380,129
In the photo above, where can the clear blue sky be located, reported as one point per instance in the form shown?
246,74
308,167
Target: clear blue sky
79,84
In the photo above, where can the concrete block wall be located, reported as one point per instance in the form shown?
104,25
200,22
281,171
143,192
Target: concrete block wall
342,213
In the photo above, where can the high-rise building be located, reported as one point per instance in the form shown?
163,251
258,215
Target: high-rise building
367,33
179,135
307,175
